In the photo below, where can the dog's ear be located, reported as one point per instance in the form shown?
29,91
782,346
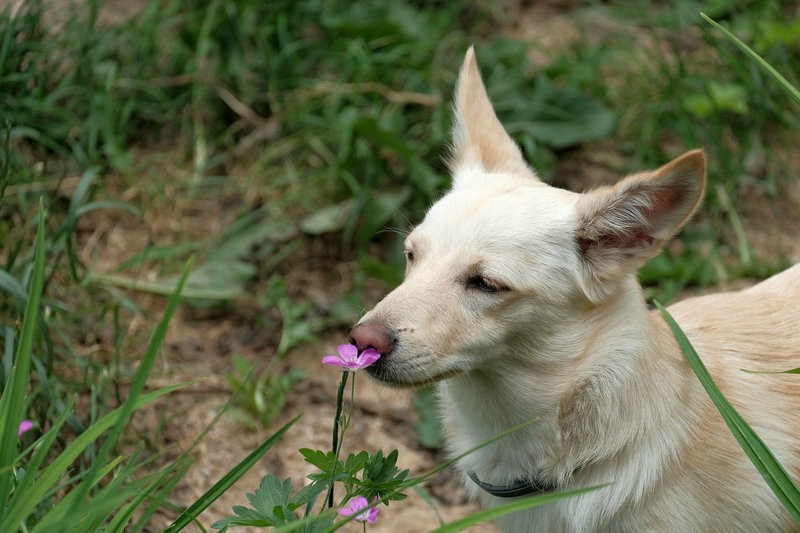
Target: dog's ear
479,139
621,227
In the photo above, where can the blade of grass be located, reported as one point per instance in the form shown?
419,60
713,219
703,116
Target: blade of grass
792,371
512,507
783,82
5,153
12,400
79,196
139,381
761,456
193,511
745,255
162,287
426,497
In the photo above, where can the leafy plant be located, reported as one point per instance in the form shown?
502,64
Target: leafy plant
262,396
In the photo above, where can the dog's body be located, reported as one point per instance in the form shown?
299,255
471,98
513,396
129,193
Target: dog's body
521,302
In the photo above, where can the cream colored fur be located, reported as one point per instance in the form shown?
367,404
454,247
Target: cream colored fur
521,302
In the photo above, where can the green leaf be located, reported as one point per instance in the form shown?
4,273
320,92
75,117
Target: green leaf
728,97
699,105
24,499
355,462
382,207
249,232
9,284
328,219
325,461
382,478
761,456
227,276
308,494
271,494
273,506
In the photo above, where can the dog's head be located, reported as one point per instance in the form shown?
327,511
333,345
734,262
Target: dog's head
505,266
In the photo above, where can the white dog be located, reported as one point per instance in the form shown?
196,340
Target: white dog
521,301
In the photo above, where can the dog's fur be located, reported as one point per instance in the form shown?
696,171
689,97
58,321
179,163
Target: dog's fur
521,301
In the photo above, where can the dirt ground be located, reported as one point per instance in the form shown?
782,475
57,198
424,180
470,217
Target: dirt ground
202,348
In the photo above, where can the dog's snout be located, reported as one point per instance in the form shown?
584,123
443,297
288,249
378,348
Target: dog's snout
372,335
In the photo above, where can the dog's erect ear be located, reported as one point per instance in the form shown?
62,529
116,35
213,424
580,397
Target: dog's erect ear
621,227
479,139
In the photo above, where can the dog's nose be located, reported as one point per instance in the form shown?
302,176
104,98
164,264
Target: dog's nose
372,335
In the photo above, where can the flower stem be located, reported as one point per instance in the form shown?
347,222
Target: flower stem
336,444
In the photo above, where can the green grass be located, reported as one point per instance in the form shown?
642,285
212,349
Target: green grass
302,130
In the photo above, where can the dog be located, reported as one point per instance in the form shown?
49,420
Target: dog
520,302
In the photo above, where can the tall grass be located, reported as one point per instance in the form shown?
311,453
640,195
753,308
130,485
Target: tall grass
30,480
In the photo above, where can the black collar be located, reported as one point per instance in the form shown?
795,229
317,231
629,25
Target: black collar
519,488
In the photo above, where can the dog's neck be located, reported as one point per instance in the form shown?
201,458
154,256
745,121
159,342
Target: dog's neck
613,397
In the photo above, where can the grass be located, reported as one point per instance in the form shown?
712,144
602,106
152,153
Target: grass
268,139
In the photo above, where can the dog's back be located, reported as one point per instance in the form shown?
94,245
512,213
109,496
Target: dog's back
755,330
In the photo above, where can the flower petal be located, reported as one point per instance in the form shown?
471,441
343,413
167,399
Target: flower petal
348,352
368,356
358,503
25,425
372,515
333,360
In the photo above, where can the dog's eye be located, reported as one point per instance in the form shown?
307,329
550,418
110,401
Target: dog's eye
409,255
485,284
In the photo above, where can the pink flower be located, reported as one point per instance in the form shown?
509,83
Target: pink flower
356,505
25,425
350,359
